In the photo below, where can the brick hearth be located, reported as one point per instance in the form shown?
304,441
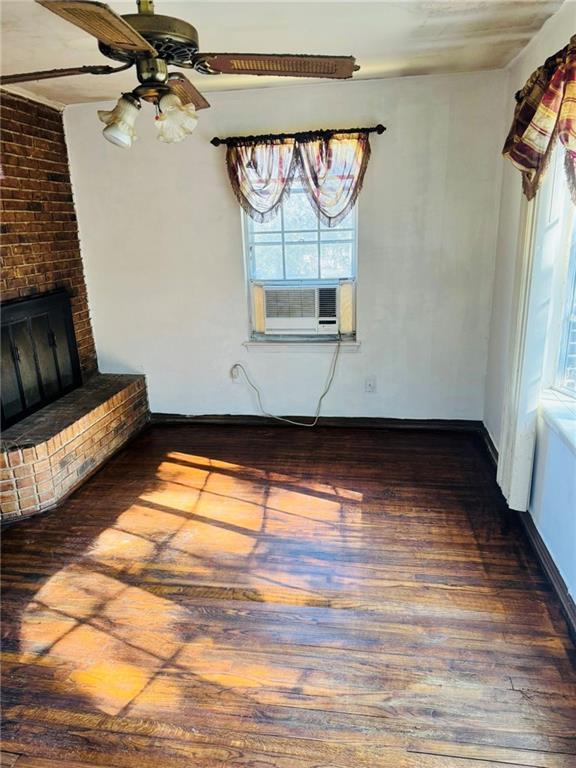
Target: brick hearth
47,455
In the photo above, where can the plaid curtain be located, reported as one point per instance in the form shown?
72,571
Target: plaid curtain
545,111
332,171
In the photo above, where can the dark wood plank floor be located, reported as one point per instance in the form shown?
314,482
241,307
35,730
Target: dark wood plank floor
278,598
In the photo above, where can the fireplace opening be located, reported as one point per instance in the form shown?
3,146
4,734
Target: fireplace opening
39,354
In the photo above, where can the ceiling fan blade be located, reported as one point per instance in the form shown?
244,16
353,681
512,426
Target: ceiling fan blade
281,65
186,92
49,74
101,21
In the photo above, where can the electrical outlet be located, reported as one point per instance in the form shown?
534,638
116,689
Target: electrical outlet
370,385
234,372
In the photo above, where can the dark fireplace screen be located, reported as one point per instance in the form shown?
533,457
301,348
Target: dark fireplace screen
39,354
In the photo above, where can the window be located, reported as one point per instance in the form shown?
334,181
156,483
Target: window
541,372
566,375
301,274
296,246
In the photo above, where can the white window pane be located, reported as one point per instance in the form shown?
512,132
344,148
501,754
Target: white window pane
267,262
336,234
336,260
272,224
301,237
298,213
287,246
570,369
267,237
301,262
567,372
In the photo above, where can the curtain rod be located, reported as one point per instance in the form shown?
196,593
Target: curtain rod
300,136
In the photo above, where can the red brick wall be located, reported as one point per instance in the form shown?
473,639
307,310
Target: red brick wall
39,243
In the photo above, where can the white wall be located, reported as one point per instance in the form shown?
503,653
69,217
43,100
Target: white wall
553,36
161,242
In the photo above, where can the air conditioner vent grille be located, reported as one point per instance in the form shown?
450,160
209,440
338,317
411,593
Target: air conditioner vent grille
327,302
291,303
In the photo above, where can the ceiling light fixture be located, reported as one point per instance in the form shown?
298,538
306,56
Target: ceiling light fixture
171,94
175,121
120,121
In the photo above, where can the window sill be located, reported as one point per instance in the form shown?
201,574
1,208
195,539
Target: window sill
559,412
301,346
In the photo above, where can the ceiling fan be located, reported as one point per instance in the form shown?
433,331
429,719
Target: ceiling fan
152,42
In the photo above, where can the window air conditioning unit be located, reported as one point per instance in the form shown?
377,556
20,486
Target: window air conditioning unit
303,310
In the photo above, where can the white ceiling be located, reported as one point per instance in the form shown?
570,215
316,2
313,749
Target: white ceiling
402,37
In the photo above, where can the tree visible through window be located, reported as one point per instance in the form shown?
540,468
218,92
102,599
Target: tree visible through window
294,245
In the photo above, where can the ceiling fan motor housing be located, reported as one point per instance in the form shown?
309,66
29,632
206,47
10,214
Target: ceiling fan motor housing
152,70
175,40
152,74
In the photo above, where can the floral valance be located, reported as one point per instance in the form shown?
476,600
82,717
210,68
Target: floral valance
545,112
330,165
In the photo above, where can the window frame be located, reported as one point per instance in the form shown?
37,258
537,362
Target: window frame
549,294
248,243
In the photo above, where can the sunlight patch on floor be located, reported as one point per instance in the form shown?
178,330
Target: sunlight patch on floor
118,644
111,684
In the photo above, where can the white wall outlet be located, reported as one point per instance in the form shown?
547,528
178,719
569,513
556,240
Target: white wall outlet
234,372
370,385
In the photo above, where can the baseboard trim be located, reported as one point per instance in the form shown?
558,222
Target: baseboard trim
550,569
356,422
489,444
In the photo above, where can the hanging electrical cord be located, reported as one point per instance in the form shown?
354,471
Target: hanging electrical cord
332,371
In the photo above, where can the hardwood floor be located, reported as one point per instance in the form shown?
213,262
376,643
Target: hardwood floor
284,598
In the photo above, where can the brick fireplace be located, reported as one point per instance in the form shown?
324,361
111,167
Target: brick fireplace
40,246
50,445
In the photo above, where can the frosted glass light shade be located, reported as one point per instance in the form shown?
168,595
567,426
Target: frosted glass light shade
120,122
175,120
